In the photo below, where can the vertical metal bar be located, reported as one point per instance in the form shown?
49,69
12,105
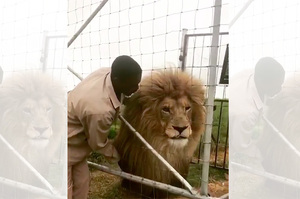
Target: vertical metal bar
199,151
226,142
211,95
87,22
44,51
183,49
218,136
46,54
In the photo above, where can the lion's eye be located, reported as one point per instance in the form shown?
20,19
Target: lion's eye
48,109
166,109
187,108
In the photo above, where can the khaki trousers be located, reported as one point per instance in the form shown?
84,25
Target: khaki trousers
78,180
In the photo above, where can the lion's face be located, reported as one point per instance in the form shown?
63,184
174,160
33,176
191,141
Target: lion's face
37,121
32,113
176,117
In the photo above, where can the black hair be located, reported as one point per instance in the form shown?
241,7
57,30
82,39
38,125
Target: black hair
125,67
268,68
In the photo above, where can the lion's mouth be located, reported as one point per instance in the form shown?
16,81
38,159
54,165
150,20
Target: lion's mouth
40,138
178,137
39,141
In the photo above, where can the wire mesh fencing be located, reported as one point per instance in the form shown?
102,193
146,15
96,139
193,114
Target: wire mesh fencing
151,32
253,172
32,99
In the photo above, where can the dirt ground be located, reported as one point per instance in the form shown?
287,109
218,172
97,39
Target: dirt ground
106,186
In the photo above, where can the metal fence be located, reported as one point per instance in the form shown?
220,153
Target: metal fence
219,146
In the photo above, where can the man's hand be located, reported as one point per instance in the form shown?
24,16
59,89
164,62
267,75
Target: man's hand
114,156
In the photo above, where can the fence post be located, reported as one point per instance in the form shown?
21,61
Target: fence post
212,81
183,50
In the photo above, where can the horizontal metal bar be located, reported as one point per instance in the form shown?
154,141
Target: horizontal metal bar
267,175
145,181
27,164
205,34
30,188
221,100
206,66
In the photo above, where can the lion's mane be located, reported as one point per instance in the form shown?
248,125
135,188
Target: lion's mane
143,113
25,99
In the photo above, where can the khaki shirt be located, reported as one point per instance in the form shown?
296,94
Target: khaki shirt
245,112
92,108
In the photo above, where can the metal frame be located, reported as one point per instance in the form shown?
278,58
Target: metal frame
50,192
102,4
145,181
45,47
184,48
211,96
268,175
155,153
222,101
212,70
211,91
235,18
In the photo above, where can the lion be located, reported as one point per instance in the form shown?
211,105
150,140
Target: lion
33,122
168,111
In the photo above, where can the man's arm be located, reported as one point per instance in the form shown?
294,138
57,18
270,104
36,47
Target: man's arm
97,129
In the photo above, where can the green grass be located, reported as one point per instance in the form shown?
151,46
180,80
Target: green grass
224,120
220,125
195,175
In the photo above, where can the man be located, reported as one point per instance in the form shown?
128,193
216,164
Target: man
92,107
249,92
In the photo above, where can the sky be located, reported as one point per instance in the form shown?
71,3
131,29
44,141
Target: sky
149,31
266,28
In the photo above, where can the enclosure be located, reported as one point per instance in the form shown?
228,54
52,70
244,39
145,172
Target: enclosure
161,35
68,40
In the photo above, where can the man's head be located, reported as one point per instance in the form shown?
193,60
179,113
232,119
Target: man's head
126,75
269,76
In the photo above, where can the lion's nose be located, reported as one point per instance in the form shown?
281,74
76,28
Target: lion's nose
41,130
179,129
